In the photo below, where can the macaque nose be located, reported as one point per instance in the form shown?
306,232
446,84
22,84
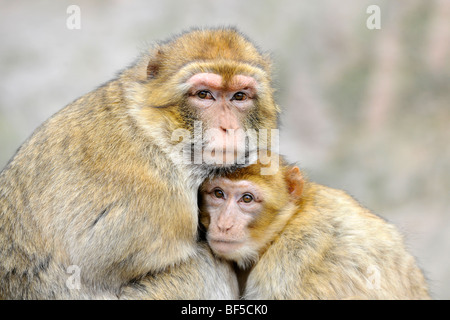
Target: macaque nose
223,129
228,121
224,224
224,228
229,126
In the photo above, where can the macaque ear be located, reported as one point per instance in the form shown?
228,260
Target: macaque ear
154,65
295,182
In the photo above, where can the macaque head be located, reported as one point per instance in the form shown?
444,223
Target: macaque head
215,84
244,211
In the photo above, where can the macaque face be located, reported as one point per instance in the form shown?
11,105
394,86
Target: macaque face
231,208
223,107
244,211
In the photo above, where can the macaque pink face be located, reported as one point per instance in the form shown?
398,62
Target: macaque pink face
231,206
222,106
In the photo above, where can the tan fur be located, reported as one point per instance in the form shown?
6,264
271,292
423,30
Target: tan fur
205,285
329,249
327,246
100,185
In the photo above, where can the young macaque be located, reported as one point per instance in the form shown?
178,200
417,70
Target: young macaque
294,239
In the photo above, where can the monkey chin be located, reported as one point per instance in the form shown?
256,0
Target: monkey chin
225,158
245,256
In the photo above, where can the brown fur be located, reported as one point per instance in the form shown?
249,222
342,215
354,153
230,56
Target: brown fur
101,185
182,282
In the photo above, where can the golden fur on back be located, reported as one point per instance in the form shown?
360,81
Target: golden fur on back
332,248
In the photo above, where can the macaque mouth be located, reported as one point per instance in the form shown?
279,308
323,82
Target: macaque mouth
224,246
224,151
202,154
224,241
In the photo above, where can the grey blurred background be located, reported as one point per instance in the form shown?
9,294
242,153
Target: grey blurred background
367,111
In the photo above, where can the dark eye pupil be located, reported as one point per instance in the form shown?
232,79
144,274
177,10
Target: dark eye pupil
218,193
239,96
247,198
202,94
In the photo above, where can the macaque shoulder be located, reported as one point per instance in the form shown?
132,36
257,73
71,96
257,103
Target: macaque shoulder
327,214
325,201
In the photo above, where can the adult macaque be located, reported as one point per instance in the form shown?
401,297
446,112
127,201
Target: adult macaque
294,239
103,185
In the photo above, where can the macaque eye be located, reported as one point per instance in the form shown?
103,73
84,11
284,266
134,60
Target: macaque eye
219,194
239,96
204,94
247,198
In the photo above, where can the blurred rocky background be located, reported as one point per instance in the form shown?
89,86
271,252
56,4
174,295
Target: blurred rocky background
367,111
